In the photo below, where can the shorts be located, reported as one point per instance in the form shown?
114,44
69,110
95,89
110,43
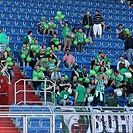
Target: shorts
67,41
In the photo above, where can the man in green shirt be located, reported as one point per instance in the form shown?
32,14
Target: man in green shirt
66,31
64,97
112,101
81,95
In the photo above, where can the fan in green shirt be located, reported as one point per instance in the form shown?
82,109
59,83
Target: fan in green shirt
81,94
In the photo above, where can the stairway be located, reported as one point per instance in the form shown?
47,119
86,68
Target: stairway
7,126
30,96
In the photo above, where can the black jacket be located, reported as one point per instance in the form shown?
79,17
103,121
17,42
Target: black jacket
128,43
85,20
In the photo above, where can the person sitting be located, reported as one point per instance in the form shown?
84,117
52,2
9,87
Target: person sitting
64,97
55,43
69,59
41,28
122,61
28,39
24,51
120,33
81,36
52,27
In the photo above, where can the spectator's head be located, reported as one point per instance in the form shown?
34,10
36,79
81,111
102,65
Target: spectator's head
93,62
92,81
36,42
30,33
44,46
56,68
96,12
101,76
68,51
51,51
120,26
41,51
88,14
54,35
43,19
38,67
42,59
111,95
116,72
121,58
5,53
88,90
74,29
63,77
102,69
66,23
75,78
122,65
50,59
76,68
65,88
131,68
84,69
104,63
80,30
24,45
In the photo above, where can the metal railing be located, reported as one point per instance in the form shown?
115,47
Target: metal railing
36,91
80,118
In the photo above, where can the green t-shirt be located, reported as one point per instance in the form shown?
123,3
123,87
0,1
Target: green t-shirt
112,102
66,31
81,93
51,65
64,95
3,38
131,80
118,79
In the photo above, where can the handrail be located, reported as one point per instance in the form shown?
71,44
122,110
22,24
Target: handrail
7,74
24,90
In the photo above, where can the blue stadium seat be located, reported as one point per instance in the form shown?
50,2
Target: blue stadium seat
25,108
14,108
28,71
36,108
31,130
42,130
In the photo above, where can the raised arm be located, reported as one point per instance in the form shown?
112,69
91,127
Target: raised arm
61,23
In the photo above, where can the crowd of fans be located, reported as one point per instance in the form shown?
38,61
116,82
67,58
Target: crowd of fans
84,87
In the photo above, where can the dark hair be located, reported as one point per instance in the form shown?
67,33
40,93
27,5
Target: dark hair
121,56
116,71
76,67
111,94
131,66
66,22
80,28
29,32
73,29
96,10
120,25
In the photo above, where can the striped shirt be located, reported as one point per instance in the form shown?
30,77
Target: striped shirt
97,19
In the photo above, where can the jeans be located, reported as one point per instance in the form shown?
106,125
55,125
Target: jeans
64,102
129,54
88,31
11,72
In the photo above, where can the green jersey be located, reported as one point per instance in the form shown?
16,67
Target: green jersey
100,87
0,73
64,95
66,31
118,79
81,37
81,93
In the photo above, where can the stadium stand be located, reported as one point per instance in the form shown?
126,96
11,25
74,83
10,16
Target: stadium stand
19,17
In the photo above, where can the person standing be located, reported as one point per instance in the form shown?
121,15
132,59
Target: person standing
97,27
81,95
87,20
129,47
66,31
